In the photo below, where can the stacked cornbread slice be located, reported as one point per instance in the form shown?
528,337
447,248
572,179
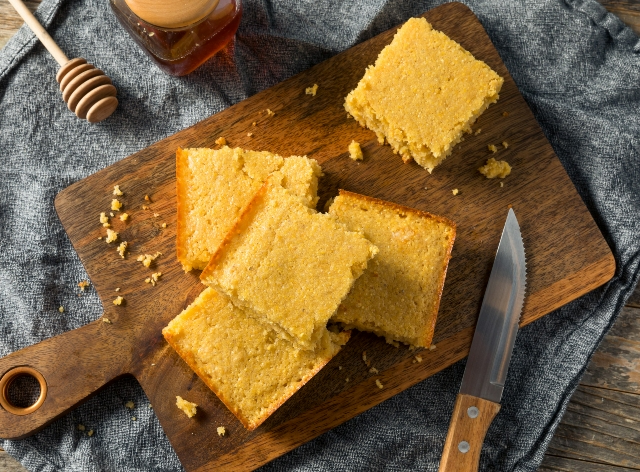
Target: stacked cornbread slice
423,92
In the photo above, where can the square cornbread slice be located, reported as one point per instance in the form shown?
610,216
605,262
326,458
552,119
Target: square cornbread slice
214,185
398,296
423,92
288,265
247,365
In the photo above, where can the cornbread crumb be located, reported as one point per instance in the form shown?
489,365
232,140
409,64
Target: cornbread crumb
432,347
347,379
61,309
395,344
373,370
116,204
122,248
492,148
104,219
398,296
83,284
221,430
379,384
339,367
90,433
106,320
146,198
116,191
501,184
505,144
124,217
355,152
81,427
249,134
214,186
154,278
270,113
364,359
455,191
493,169
134,418
254,124
117,289
423,93
478,131
189,408
145,207
130,405
164,225
221,141
118,300
279,231
111,236
99,237
311,90
220,342
419,359
505,113
155,215
111,214
147,259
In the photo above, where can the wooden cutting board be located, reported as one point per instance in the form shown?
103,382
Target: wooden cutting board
566,254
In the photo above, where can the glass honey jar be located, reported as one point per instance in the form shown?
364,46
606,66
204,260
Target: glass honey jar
179,35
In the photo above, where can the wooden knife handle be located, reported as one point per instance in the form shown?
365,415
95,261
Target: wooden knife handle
69,367
469,424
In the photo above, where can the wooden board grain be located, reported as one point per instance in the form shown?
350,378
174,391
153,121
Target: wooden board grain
566,255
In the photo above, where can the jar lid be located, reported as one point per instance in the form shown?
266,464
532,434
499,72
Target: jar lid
172,13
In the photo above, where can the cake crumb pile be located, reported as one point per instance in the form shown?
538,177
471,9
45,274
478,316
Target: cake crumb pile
398,296
494,168
423,92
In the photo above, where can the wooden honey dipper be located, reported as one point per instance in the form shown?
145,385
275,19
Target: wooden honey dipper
85,89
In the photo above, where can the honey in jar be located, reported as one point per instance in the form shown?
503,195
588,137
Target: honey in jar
179,36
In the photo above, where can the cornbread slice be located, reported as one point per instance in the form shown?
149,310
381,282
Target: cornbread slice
288,265
422,93
214,185
249,367
399,294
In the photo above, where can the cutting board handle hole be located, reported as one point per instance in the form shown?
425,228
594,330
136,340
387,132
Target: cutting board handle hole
22,390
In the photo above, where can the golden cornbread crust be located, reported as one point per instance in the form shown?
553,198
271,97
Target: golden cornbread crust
287,265
251,370
423,92
213,186
399,294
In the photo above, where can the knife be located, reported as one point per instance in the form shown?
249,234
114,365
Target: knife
478,401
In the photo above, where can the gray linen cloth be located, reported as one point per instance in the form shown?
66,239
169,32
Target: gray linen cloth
577,66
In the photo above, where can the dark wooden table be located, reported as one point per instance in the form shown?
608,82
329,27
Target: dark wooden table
601,428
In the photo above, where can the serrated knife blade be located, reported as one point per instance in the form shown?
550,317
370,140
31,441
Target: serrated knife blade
483,382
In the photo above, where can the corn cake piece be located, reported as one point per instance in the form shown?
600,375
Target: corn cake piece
422,93
214,185
248,366
398,296
288,265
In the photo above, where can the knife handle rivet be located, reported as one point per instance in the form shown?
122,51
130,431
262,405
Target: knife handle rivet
464,447
473,412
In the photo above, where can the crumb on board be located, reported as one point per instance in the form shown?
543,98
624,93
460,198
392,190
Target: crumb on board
154,278
221,430
106,320
81,427
117,289
124,217
155,215
339,367
347,379
432,347
455,191
492,148
221,141
373,370
249,134
61,309
311,90
83,284
145,207
164,225
355,151
365,360
254,124
118,300
111,214
418,359
116,204
505,113
189,408
270,113
111,235
505,144
122,248
494,168
146,198
130,405
501,184
147,259
104,219
99,237
379,384
116,191
478,131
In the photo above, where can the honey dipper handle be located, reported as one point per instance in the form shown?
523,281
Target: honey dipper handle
70,367
40,32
